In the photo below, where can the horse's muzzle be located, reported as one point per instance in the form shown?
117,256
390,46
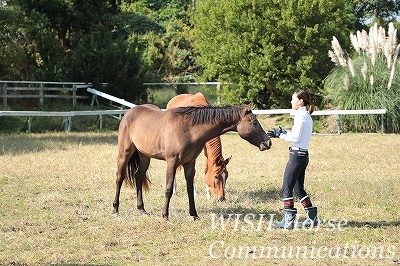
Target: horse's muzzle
265,145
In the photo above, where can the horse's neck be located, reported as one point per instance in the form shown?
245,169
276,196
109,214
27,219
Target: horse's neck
211,130
214,148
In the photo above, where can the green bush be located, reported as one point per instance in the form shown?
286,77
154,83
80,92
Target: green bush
368,81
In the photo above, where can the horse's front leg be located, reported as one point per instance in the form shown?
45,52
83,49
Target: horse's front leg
189,176
170,177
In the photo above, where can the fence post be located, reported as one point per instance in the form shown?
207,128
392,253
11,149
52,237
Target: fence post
94,100
65,123
218,94
100,122
68,123
74,95
5,94
41,94
383,123
338,124
29,124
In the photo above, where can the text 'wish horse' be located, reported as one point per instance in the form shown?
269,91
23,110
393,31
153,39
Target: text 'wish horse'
177,136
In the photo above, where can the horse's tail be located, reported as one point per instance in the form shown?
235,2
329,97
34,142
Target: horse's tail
132,168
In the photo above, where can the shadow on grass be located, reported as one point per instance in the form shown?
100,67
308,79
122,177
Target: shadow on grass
27,143
241,198
66,264
373,224
244,211
265,194
13,263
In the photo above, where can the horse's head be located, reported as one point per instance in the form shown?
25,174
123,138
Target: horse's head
216,177
250,129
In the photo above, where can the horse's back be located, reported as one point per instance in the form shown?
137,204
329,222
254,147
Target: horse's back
183,100
141,113
154,132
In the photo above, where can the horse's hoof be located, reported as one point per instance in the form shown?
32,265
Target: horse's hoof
115,211
143,212
195,218
165,217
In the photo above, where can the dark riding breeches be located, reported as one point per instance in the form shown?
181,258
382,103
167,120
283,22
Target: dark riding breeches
293,178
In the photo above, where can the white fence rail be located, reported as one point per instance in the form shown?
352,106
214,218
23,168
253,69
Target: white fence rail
96,93
337,113
123,102
69,115
41,90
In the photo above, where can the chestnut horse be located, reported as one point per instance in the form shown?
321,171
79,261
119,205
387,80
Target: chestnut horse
216,173
177,136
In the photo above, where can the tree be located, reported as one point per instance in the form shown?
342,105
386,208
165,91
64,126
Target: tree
268,49
122,43
382,11
169,48
17,52
49,33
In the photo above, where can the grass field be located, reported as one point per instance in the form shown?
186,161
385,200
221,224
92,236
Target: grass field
56,193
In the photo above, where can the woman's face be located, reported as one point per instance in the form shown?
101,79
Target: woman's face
296,102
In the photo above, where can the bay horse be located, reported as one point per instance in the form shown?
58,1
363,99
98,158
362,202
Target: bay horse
177,136
215,171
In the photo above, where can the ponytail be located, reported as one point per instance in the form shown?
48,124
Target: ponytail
311,108
305,96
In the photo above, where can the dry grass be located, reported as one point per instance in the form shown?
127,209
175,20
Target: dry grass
56,193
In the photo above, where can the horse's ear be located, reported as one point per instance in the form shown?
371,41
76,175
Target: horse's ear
248,108
227,160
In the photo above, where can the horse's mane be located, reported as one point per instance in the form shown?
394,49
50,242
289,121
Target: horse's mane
214,145
210,114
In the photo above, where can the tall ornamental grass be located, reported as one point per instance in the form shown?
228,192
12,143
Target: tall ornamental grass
367,80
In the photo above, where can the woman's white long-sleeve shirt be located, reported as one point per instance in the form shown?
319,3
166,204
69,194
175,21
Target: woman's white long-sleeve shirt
301,132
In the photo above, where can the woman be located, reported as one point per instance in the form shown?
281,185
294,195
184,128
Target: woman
294,175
